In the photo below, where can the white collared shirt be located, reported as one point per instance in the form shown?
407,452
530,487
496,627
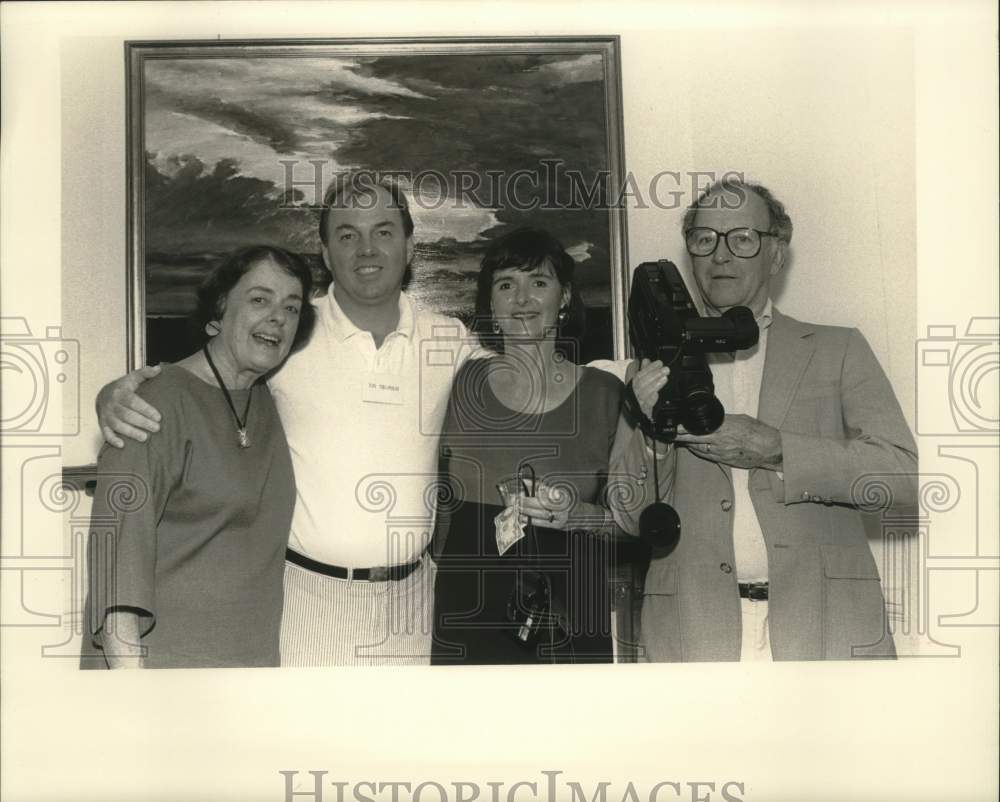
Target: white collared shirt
737,379
362,425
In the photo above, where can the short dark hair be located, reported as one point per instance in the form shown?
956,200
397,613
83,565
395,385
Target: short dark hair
346,186
525,249
217,285
781,223
364,183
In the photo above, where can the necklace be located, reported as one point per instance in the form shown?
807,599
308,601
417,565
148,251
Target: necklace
241,425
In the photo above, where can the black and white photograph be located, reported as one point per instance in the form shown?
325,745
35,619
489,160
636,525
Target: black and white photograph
474,401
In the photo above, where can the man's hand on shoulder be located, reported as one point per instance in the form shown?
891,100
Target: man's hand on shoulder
741,442
120,411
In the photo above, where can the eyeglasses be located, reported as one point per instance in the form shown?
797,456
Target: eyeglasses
742,242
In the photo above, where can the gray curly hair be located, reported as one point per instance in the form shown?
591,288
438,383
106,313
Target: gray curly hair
781,223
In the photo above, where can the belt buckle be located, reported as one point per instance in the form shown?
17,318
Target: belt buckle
379,574
756,591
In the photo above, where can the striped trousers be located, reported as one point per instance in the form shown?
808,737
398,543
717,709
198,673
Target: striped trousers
337,622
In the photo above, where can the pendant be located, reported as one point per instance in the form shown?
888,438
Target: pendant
243,438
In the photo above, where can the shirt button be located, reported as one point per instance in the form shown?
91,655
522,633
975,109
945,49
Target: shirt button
726,505
726,568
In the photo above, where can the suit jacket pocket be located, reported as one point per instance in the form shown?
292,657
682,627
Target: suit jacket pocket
848,562
660,627
854,623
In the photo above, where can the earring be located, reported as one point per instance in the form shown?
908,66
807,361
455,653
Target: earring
212,328
563,316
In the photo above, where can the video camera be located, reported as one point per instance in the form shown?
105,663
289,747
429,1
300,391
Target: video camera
664,324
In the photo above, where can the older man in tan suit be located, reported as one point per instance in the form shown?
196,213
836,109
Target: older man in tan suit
773,561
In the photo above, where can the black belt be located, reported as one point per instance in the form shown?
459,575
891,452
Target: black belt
755,591
393,572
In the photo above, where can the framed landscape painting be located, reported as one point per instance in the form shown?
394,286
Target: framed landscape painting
233,143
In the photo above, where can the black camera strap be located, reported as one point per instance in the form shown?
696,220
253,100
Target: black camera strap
637,419
634,415
536,559
530,491
656,471
659,524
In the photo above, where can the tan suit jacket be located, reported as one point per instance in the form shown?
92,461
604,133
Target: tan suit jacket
839,420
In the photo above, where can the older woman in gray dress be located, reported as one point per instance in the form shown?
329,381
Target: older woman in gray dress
189,572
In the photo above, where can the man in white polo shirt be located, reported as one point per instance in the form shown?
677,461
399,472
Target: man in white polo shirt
358,588
362,407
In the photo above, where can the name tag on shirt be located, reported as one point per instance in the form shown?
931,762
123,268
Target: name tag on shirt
383,388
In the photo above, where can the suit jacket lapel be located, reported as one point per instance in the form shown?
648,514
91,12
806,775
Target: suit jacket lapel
789,349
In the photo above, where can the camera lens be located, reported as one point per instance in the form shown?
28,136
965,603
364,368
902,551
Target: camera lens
704,413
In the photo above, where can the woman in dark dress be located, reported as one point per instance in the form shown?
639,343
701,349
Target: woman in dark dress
529,413
189,529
